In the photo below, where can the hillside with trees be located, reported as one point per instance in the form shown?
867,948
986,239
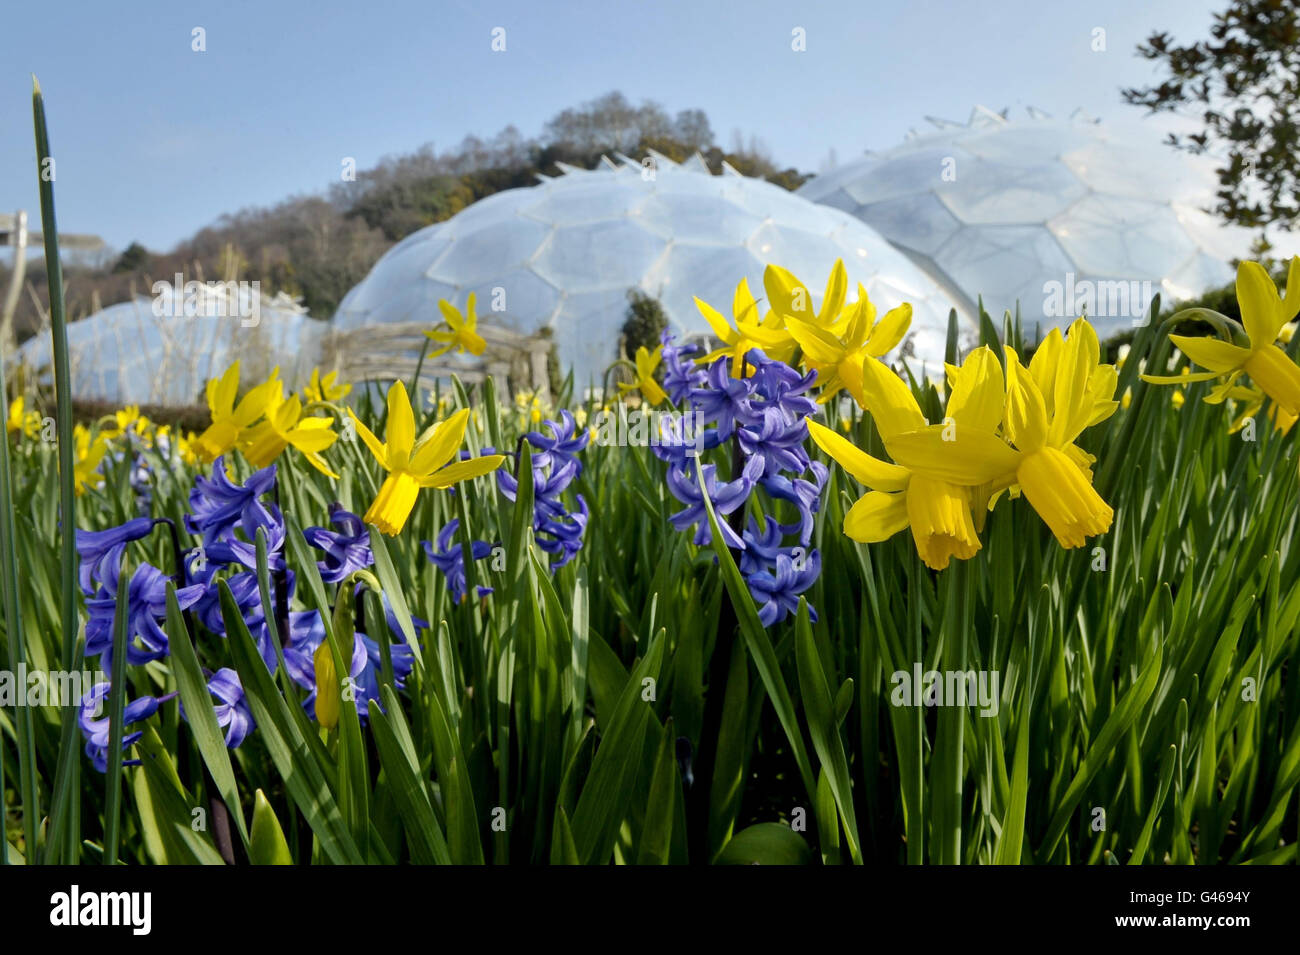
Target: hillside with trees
318,246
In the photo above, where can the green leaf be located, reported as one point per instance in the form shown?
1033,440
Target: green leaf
824,727
303,776
266,845
200,713
660,810
760,647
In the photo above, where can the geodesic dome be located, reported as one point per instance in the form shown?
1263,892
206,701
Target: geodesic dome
564,254
129,353
1003,208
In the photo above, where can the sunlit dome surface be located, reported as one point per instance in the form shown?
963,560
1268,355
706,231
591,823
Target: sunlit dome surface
128,354
1003,207
565,253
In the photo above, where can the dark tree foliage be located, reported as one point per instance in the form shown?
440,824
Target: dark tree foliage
134,259
1244,84
644,325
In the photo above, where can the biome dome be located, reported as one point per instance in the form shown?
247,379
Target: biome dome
165,349
1060,216
563,255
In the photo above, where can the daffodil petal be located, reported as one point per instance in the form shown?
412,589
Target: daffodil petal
719,324
1212,353
373,443
876,516
439,447
463,471
889,331
818,344
1261,309
401,425
959,455
870,471
889,401
979,391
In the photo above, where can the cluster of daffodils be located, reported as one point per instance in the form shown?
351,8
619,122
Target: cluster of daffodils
125,434
1004,431
264,422
1249,349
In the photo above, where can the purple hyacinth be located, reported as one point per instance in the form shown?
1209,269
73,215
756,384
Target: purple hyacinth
564,441
681,374
765,413
450,559
724,400
146,608
231,707
347,549
218,504
725,495
97,549
777,594
94,723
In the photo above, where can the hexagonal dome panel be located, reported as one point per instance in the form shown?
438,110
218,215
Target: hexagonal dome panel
566,252
1033,205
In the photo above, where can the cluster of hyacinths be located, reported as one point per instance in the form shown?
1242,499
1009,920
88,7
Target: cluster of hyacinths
226,517
558,530
747,391
756,406
1249,348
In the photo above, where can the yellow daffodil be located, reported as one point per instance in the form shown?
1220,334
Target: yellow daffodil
790,298
413,464
1064,390
22,421
646,363
1264,316
836,352
321,389
126,420
285,425
937,510
749,333
1251,400
229,419
463,330
89,452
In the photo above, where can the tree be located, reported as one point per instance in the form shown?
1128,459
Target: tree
134,259
644,325
1245,83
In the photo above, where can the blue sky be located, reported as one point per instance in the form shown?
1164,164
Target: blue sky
153,140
